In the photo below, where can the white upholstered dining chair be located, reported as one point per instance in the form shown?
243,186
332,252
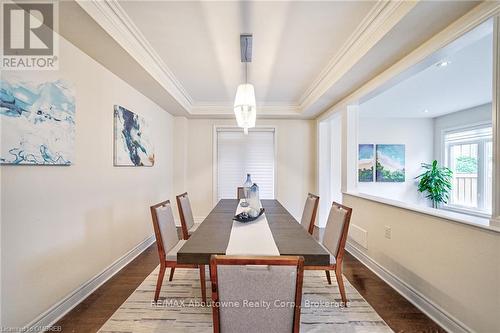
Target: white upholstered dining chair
256,279
334,239
186,215
168,245
309,213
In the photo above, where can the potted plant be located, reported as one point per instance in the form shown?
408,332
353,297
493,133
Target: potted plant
436,181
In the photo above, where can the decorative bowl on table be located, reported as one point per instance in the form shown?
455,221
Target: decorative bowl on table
249,216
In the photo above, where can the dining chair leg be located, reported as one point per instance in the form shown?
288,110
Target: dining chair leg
172,270
159,282
203,284
328,277
340,282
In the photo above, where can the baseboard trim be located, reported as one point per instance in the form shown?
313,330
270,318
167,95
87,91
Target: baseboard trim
435,312
57,311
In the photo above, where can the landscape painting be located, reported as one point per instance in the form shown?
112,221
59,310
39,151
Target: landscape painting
132,146
37,121
390,165
366,162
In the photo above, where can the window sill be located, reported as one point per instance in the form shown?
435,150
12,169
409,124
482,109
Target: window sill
465,211
479,222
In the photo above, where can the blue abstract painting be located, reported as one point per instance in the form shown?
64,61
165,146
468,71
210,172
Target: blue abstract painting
132,139
366,162
390,165
37,122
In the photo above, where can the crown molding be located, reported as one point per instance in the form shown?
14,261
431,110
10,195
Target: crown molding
265,110
461,26
115,21
361,28
379,21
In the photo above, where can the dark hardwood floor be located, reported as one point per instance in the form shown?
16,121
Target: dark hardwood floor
96,309
93,312
398,313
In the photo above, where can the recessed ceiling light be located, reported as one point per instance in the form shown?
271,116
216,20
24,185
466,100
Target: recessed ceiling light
426,111
443,63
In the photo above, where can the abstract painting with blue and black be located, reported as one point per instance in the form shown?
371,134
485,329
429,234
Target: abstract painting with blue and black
37,122
132,139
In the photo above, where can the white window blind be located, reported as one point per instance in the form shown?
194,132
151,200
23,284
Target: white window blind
239,154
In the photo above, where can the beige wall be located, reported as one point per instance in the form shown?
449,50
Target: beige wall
296,166
63,225
454,265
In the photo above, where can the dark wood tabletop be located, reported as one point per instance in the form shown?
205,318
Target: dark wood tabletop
212,236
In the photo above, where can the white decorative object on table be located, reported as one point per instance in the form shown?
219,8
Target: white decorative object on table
253,197
246,187
252,212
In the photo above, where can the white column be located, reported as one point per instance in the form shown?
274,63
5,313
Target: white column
496,122
349,148
180,148
324,163
336,158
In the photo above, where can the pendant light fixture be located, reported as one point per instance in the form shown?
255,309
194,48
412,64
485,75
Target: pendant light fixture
245,107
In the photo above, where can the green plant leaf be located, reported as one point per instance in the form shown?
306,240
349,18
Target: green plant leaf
436,181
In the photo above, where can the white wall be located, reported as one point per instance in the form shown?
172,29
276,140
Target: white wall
296,166
453,265
477,115
63,225
417,134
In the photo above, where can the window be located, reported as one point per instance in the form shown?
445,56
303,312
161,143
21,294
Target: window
239,154
469,153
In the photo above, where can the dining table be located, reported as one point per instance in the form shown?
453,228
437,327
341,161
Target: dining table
213,235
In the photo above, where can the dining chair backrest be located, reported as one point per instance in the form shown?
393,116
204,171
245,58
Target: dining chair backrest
185,213
337,227
240,192
257,279
309,213
164,227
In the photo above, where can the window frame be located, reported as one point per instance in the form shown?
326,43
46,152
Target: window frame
215,166
481,167
495,195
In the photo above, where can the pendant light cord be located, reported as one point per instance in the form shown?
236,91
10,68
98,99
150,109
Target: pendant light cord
246,61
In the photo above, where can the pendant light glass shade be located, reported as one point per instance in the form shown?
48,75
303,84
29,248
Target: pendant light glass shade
245,106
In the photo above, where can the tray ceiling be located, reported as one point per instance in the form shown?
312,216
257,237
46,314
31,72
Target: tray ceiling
306,55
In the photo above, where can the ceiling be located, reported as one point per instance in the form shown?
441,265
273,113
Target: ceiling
292,43
465,82
307,55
